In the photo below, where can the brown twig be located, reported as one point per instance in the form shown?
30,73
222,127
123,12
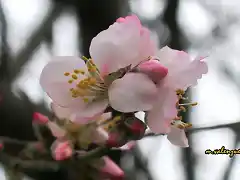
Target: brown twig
14,141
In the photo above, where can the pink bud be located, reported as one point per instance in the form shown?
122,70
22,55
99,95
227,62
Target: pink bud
154,69
40,118
111,169
61,150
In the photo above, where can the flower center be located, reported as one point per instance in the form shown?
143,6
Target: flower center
177,122
88,84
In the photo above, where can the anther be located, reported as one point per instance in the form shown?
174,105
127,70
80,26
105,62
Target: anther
85,100
74,76
66,74
70,81
189,104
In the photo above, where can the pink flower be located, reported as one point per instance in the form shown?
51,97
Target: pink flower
182,73
80,86
61,150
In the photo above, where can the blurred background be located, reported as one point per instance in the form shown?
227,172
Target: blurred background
32,31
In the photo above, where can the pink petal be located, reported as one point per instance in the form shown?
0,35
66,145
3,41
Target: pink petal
163,112
56,130
55,83
178,137
60,112
133,46
148,47
114,50
90,110
77,118
111,168
182,71
133,92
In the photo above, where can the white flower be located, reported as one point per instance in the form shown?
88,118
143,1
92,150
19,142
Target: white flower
83,88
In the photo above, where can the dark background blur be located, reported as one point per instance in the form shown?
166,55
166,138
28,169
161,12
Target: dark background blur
32,31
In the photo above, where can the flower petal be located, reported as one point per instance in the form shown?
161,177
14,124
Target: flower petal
55,83
182,71
91,109
133,92
163,112
60,112
114,51
147,46
56,130
111,168
178,137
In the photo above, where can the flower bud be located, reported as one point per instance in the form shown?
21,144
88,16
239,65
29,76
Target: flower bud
154,69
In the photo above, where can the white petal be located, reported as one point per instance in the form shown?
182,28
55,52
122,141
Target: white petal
178,137
182,71
87,112
163,112
56,130
116,47
133,92
55,83
60,112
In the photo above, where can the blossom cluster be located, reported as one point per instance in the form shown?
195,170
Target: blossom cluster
94,100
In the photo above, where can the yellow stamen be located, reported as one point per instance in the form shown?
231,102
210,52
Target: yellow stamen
177,121
66,74
74,76
70,81
85,100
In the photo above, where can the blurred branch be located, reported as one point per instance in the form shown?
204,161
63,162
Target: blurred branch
141,162
34,40
14,162
13,141
229,74
235,126
228,170
4,48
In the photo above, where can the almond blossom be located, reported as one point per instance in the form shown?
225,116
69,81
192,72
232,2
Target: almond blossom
182,72
87,86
